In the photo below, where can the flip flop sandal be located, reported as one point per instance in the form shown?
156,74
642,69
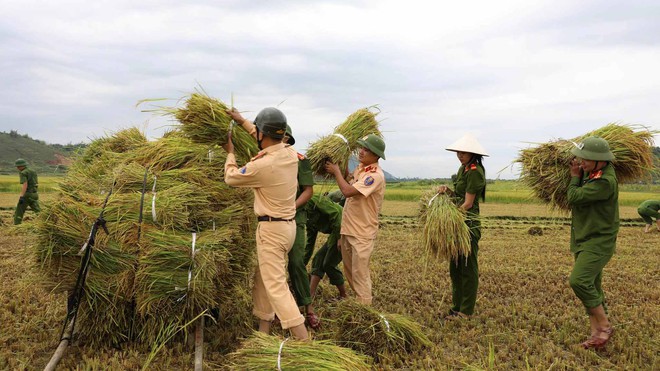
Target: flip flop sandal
597,342
313,321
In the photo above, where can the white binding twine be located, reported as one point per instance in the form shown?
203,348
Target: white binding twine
211,154
432,198
342,138
192,256
387,324
279,355
153,201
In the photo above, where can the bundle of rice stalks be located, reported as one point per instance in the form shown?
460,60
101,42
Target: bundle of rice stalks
143,278
339,146
264,352
445,235
545,168
204,120
363,328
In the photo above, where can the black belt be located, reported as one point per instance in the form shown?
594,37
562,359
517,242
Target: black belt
266,218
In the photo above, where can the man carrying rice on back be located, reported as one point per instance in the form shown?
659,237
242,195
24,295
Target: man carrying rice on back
593,194
359,225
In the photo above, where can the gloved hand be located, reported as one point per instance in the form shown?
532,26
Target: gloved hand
21,200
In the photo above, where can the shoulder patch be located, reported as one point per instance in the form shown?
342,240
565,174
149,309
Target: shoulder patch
301,156
242,170
368,180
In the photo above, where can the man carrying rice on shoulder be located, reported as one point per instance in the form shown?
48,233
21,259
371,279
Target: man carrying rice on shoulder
359,225
272,174
593,194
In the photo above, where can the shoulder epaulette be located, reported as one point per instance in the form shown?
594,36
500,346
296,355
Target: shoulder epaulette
301,156
258,156
370,169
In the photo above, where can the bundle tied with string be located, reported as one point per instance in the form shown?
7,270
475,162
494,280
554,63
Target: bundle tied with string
265,352
366,330
204,120
179,242
445,235
545,167
339,146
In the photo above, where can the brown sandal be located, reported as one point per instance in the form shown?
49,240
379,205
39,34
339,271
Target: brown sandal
313,321
596,342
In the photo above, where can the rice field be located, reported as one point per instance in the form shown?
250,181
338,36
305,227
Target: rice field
526,317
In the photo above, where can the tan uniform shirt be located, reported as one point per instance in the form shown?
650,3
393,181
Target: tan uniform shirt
360,216
272,174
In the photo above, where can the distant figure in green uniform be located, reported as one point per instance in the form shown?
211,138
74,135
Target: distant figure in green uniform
29,196
648,210
324,215
593,194
469,185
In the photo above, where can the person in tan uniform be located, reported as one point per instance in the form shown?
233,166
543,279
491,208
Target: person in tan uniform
272,175
359,224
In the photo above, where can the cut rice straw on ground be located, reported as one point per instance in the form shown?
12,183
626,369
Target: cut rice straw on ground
445,234
265,352
545,168
376,334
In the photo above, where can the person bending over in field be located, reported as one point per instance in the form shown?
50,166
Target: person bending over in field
359,224
593,194
469,185
324,215
649,210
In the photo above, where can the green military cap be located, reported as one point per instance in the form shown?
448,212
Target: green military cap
594,149
271,122
289,133
373,143
20,162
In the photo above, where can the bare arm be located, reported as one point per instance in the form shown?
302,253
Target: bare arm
469,201
346,189
307,193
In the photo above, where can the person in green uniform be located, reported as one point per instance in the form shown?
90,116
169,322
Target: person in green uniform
593,194
297,265
336,197
648,210
29,186
469,186
324,215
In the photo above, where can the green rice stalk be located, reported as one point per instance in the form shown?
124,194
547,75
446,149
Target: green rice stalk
334,149
260,352
364,329
445,235
545,168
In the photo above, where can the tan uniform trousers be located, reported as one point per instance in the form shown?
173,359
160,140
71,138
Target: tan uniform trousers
270,293
356,253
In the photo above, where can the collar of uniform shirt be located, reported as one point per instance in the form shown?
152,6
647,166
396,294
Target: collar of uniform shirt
272,148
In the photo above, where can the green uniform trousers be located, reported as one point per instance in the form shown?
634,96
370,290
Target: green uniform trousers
297,269
587,276
325,262
464,275
648,214
30,200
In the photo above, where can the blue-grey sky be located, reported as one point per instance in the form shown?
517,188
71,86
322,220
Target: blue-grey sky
509,72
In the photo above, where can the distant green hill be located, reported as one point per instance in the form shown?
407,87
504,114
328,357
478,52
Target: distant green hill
43,157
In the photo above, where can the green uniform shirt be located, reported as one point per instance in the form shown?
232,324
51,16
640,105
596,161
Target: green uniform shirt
324,216
650,204
30,176
594,200
470,180
305,178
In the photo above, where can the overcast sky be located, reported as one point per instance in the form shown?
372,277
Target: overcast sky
510,72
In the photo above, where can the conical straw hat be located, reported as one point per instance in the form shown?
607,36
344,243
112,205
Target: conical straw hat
468,143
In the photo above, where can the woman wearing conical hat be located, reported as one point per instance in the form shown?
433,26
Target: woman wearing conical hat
469,186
